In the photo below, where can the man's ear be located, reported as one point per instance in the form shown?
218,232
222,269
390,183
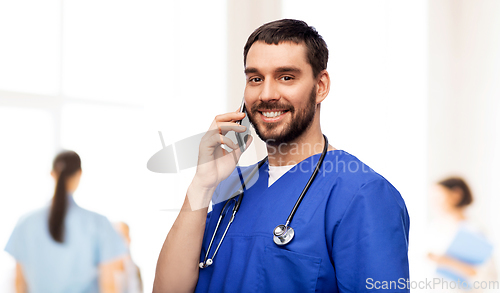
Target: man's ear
322,86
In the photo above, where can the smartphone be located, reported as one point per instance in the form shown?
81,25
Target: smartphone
241,137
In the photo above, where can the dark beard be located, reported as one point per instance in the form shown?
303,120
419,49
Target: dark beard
301,121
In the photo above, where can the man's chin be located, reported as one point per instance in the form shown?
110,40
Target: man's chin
274,136
273,140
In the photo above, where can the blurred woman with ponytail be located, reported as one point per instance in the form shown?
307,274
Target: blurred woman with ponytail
63,247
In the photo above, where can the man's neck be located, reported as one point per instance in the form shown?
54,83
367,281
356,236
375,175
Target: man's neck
303,147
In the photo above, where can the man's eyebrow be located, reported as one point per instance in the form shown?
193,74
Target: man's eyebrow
282,69
249,70
285,69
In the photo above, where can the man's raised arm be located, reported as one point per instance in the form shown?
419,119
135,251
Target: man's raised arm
178,264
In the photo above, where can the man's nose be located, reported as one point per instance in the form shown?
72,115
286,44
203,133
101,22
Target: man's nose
269,91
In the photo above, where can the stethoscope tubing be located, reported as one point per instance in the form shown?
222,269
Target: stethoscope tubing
311,179
236,207
221,216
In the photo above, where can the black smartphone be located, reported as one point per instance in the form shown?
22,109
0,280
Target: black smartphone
241,137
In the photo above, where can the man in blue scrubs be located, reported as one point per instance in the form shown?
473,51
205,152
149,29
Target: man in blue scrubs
351,229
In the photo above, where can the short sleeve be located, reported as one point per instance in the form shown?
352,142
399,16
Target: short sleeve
16,243
370,247
110,244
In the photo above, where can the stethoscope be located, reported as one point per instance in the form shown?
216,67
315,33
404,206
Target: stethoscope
282,234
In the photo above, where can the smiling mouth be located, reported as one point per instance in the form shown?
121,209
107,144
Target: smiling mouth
273,114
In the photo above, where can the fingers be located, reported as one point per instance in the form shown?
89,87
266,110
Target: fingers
225,127
221,139
221,125
231,116
226,120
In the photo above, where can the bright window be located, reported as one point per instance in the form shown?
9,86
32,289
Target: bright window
102,78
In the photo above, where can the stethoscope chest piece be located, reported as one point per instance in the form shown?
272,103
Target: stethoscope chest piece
283,234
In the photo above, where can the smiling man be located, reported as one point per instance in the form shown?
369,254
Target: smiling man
344,224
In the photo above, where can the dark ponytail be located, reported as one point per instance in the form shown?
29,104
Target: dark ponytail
65,165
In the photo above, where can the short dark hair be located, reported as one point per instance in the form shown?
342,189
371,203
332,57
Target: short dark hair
457,183
292,30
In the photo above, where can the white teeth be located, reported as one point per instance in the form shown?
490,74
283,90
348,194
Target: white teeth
272,114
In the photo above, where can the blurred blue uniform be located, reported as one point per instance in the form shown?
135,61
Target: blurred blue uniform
71,266
351,226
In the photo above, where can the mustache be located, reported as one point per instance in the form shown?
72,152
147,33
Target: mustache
271,106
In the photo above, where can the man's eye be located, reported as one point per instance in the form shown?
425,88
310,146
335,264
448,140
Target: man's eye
286,78
255,79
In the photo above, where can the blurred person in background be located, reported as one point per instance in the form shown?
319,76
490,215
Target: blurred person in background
63,247
459,249
128,278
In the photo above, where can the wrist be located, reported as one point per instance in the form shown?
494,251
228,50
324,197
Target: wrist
200,184
199,195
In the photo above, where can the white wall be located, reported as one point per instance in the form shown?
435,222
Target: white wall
102,78
464,101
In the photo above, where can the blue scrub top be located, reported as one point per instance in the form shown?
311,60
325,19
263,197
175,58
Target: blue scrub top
351,230
71,266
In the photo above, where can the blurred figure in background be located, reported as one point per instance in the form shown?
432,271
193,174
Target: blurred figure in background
129,277
63,247
459,249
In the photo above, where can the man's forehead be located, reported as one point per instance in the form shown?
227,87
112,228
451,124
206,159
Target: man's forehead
286,53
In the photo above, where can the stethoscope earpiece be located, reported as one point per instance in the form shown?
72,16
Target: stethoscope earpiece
207,263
